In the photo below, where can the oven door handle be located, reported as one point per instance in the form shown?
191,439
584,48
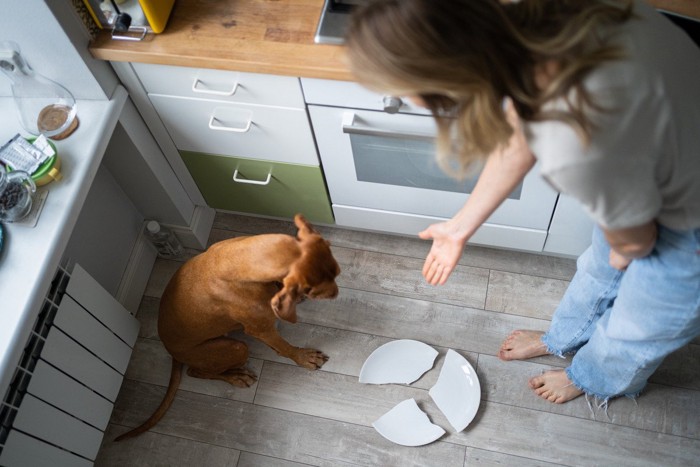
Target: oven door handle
351,128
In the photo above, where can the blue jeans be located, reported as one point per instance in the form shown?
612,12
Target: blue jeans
621,325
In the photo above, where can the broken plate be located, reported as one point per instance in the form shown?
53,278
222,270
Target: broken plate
401,361
407,425
457,391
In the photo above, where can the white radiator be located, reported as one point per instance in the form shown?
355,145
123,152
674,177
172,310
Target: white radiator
60,399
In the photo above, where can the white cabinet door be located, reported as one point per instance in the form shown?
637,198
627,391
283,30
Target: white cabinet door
239,130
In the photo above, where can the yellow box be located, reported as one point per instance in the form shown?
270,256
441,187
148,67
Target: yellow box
151,14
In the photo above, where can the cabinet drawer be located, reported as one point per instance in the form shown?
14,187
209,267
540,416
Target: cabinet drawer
260,187
231,86
257,132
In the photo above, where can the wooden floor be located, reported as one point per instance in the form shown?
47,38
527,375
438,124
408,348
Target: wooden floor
296,417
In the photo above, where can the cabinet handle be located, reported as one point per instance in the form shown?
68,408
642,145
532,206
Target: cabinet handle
132,30
234,129
216,93
252,182
351,128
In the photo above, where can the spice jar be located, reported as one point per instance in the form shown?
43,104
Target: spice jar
16,190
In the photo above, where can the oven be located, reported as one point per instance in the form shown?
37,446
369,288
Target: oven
378,157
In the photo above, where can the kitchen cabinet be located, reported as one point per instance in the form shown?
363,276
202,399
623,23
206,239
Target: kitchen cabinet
228,130
261,187
570,230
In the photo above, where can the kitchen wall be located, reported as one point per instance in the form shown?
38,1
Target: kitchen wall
38,27
106,231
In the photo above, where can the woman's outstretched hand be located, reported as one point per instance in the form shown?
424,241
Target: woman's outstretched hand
448,244
504,169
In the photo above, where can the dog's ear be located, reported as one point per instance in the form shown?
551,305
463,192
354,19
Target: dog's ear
284,303
304,227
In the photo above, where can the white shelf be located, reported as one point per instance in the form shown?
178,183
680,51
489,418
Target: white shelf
30,255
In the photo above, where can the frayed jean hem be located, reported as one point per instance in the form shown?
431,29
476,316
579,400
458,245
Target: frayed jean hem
599,401
551,350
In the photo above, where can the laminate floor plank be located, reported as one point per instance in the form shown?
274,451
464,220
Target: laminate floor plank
293,417
342,398
681,368
561,439
334,396
446,325
484,458
399,275
156,450
229,224
248,459
524,295
347,351
275,433
662,409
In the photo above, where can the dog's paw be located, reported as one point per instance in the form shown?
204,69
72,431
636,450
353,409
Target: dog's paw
239,377
242,378
310,358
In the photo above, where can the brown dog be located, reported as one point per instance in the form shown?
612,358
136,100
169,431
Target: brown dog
245,282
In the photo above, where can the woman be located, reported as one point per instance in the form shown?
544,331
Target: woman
605,96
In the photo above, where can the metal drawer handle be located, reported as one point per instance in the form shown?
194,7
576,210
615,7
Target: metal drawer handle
216,93
242,129
134,34
252,182
351,128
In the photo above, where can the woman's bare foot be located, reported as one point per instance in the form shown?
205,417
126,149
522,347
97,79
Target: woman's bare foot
521,345
555,386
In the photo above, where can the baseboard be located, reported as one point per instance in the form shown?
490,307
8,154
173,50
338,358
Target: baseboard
196,235
135,277
143,256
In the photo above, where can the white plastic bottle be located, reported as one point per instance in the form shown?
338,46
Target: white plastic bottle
167,244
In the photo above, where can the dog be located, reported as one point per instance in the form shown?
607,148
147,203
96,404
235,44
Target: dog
243,282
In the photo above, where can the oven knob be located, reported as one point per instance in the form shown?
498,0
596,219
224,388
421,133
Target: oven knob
391,104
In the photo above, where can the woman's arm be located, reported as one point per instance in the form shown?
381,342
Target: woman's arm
630,243
503,171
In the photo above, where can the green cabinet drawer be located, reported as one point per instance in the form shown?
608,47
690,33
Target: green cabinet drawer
260,187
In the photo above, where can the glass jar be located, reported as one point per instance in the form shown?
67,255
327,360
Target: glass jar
43,106
16,190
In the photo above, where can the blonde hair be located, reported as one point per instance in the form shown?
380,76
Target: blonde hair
463,57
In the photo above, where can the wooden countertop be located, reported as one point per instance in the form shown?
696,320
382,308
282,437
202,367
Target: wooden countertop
259,36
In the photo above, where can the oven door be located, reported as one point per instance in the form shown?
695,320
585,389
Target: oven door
382,175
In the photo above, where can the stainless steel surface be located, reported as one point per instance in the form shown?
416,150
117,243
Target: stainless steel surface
392,104
334,20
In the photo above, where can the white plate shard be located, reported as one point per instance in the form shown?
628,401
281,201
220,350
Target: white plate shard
457,391
406,424
401,361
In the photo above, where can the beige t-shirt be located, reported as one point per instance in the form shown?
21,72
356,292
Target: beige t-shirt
643,161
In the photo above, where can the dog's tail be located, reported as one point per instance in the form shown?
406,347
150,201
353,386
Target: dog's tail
175,376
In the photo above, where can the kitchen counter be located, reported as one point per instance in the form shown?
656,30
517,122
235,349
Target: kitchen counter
30,255
258,36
